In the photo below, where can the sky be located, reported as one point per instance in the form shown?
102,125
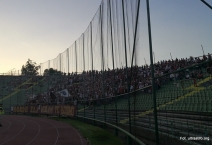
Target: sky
41,29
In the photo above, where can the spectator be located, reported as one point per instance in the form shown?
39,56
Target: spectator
209,56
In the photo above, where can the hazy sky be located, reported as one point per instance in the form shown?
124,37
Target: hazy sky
41,29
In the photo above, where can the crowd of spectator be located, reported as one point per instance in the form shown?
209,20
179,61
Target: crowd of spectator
94,85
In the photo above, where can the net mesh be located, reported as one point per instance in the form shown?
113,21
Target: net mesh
107,77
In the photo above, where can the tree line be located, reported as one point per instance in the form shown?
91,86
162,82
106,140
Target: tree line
31,69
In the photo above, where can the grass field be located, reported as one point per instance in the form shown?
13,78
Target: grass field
95,135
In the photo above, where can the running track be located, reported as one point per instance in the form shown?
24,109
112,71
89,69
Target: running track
25,130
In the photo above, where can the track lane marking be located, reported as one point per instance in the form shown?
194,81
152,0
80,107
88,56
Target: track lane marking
16,134
36,134
7,127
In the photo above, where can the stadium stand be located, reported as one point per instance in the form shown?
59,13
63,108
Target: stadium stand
183,97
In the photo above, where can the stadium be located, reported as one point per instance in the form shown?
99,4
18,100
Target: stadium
103,80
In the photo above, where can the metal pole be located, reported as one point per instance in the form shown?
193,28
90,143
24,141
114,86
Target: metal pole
83,52
128,84
103,92
207,4
40,68
134,48
53,64
145,61
171,55
56,63
117,31
94,111
49,64
152,74
135,35
83,73
111,32
60,63
154,57
76,55
68,58
203,50
91,46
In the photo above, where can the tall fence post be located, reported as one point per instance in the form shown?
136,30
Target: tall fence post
76,55
114,91
68,59
102,55
152,74
60,63
128,83
40,68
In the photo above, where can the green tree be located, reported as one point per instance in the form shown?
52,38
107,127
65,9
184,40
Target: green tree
30,68
51,72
